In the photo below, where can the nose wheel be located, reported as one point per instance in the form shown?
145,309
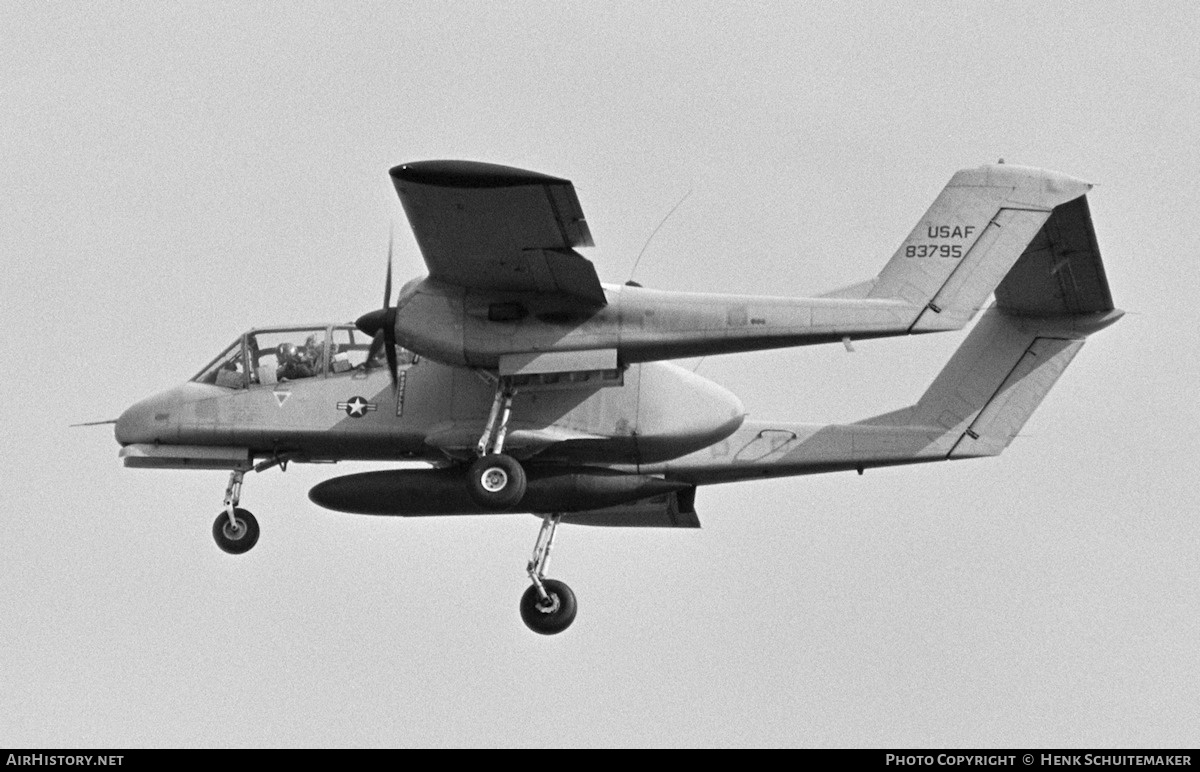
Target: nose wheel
548,607
235,530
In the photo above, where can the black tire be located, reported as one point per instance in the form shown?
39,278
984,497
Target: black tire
552,619
496,481
237,540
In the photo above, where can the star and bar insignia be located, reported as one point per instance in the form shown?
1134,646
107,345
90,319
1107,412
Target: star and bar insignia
357,407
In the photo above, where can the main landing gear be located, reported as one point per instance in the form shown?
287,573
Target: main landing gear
548,606
497,481
494,480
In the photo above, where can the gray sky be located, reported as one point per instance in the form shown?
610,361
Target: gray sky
173,174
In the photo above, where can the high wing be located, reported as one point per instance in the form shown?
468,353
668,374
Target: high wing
499,229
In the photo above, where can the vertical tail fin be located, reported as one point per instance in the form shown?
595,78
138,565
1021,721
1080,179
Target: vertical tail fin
997,378
967,241
1054,296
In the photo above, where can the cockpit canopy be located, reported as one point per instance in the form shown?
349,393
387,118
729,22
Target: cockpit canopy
265,357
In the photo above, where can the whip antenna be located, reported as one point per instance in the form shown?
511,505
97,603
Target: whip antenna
633,270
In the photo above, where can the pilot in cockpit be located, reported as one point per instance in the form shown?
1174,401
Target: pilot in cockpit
294,362
315,350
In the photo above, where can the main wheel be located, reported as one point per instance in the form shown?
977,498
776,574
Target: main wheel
548,618
496,481
239,536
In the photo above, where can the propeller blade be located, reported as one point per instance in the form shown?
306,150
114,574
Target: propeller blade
376,344
381,325
387,284
389,335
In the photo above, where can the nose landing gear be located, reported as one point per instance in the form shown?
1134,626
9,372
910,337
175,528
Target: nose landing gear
235,530
548,607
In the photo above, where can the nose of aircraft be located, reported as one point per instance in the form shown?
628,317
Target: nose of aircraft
138,424
158,418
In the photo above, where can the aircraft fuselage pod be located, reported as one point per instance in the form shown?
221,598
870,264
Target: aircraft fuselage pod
343,408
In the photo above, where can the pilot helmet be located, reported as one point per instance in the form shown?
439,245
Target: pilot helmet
287,352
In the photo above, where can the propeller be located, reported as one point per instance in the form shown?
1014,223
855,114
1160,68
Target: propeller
381,325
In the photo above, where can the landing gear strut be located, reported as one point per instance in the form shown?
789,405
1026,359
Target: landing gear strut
548,606
235,530
495,480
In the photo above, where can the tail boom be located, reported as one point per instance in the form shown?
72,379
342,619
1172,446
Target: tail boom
969,240
974,408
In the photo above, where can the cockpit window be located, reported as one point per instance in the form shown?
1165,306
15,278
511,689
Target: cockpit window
286,355
227,370
269,357
351,348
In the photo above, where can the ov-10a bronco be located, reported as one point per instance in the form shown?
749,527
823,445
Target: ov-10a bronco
527,385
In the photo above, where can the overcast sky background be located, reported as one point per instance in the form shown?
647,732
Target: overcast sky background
176,173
